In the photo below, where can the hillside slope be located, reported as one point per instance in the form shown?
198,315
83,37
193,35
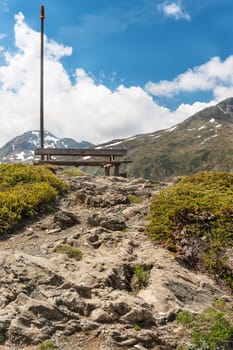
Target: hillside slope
202,142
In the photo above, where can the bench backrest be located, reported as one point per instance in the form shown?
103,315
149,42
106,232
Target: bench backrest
81,152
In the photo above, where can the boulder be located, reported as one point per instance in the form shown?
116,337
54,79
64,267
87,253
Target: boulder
66,219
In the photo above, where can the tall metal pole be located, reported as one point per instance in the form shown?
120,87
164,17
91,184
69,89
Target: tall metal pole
42,17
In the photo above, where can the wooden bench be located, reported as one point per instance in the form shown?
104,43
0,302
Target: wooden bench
84,155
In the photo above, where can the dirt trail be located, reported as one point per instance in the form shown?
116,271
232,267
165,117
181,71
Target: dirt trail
99,302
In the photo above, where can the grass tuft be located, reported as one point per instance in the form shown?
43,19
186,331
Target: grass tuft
73,172
71,252
142,276
210,330
47,345
134,199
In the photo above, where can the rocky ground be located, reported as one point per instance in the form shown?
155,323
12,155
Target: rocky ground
123,294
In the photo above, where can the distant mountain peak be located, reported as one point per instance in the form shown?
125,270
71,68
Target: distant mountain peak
226,106
22,147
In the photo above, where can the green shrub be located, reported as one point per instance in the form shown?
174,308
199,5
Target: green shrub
142,276
24,191
73,172
210,330
47,345
13,174
134,199
71,252
198,208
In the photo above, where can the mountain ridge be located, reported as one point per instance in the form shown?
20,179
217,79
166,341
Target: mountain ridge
201,142
21,148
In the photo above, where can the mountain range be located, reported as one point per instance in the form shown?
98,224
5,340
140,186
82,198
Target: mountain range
204,141
21,148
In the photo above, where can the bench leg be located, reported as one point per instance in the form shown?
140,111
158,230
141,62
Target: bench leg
107,170
116,169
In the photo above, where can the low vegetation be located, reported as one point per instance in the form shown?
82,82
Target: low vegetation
73,172
211,330
197,212
134,199
142,275
71,252
47,345
137,328
25,190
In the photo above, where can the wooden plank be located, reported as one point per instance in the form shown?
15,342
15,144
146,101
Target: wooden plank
81,152
101,163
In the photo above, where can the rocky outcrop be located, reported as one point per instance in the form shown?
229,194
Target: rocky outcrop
87,275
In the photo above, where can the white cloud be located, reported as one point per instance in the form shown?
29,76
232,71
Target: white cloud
84,109
215,76
174,9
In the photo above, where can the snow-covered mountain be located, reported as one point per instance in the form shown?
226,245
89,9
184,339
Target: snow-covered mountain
21,148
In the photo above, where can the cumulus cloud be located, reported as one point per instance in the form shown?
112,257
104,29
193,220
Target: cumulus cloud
82,108
174,9
215,76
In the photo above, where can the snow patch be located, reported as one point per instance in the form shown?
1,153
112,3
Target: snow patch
131,138
202,127
50,145
221,110
33,142
170,129
208,138
35,133
20,156
113,144
212,120
51,138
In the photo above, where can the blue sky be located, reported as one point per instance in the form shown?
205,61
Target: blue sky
113,68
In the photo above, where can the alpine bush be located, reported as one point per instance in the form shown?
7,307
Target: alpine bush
197,210
24,191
